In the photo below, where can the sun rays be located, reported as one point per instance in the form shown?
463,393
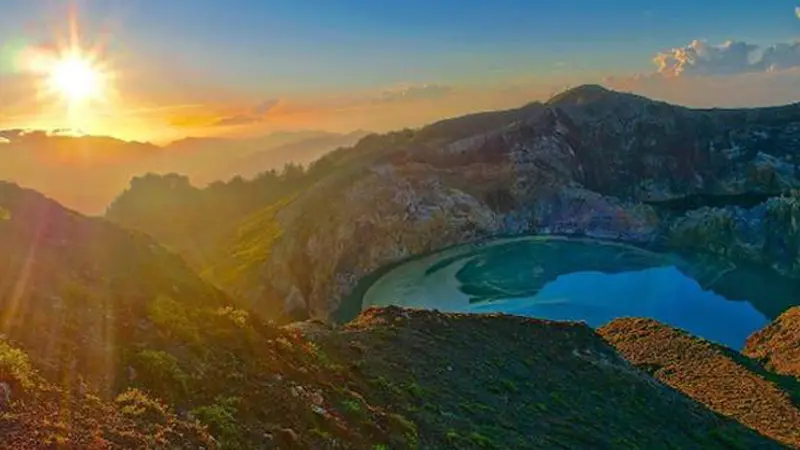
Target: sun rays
71,77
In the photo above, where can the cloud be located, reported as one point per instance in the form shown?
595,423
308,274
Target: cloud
240,119
255,114
265,106
733,74
797,12
414,92
729,58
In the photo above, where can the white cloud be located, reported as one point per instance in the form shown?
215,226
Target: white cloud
732,57
733,74
797,12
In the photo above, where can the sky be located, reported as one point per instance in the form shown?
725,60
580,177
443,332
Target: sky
249,67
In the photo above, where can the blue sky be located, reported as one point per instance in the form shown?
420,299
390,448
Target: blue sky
364,42
282,48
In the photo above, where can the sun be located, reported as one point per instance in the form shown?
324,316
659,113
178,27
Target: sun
76,79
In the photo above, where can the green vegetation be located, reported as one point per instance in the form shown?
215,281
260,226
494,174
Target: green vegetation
162,372
783,232
144,353
15,367
221,421
707,229
713,375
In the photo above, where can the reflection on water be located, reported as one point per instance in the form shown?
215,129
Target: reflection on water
592,281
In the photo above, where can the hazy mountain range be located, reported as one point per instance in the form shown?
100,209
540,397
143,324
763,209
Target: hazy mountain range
86,172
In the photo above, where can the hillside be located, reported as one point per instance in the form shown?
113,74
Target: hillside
79,294
723,380
778,345
38,414
87,172
138,351
392,379
537,384
590,162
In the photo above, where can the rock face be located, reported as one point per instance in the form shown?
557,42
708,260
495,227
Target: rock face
590,162
725,381
778,345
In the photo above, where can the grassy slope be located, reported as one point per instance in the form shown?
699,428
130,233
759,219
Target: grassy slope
36,414
778,345
82,296
716,376
510,382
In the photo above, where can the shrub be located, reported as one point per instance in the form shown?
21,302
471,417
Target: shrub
160,372
172,317
15,367
144,410
221,421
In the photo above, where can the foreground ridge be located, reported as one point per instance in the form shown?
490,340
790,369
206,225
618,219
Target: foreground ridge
725,381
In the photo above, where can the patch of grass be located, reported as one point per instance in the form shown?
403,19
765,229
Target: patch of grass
415,389
353,407
481,440
221,421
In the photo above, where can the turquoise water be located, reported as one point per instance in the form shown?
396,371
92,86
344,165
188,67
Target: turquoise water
596,282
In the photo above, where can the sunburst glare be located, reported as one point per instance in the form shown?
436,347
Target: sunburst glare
71,74
76,79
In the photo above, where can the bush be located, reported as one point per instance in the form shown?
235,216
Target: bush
144,410
221,421
161,373
15,367
173,318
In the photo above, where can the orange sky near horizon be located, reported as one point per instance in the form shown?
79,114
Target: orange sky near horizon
164,87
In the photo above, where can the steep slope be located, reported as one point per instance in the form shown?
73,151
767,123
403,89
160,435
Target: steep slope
589,162
37,414
723,380
79,294
536,384
101,310
778,345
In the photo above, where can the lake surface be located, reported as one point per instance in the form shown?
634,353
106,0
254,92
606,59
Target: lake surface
596,282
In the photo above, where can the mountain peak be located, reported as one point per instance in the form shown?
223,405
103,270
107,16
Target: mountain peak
587,93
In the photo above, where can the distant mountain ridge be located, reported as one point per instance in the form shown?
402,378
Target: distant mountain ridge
86,172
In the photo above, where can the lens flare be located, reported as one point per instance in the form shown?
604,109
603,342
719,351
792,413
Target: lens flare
74,77
70,73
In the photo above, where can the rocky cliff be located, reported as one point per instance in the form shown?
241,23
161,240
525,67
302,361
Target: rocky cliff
589,162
